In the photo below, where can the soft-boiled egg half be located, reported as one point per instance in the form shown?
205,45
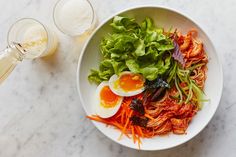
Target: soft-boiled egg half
108,102
127,84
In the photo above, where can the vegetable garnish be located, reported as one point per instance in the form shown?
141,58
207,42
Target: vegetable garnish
159,75
139,121
137,105
177,54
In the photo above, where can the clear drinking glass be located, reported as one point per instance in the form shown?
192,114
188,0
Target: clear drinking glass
27,39
74,17
36,39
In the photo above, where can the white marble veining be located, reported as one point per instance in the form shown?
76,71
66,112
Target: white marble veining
40,112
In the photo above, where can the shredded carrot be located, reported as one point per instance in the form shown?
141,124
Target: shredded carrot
133,134
140,132
139,143
126,123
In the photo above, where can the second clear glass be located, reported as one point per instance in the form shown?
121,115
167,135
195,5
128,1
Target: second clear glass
74,17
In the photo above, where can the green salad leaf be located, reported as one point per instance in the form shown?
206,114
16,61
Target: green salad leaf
124,24
139,48
106,69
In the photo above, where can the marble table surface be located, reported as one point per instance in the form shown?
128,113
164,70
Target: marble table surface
40,112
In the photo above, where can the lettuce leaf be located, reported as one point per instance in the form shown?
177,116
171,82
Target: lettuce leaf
149,70
124,24
139,48
107,68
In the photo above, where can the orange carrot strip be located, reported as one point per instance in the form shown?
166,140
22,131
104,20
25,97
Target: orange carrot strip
96,118
139,143
140,131
122,117
123,130
133,134
117,125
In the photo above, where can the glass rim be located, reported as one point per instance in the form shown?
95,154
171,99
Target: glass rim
30,19
65,32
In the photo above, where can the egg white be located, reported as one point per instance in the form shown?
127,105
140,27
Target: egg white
118,90
103,111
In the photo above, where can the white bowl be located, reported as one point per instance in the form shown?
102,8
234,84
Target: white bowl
166,18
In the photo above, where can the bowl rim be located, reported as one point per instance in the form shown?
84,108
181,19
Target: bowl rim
220,85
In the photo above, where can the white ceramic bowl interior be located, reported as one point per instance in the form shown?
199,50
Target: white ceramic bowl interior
166,18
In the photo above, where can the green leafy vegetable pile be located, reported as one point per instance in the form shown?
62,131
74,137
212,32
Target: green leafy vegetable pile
139,48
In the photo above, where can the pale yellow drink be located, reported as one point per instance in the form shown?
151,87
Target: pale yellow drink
36,43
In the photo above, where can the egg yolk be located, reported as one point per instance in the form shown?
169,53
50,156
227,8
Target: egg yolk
108,98
131,82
